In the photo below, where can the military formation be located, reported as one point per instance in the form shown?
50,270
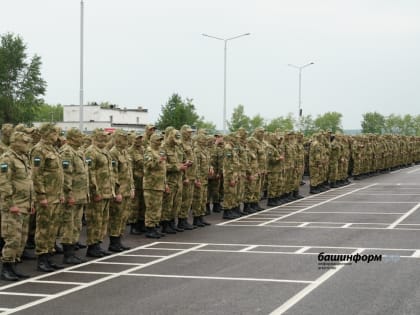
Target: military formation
156,182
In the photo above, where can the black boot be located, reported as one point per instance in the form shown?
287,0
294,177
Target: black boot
27,255
183,224
134,229
151,233
247,208
208,211
272,202
204,221
197,222
1,244
58,249
79,245
114,245
69,257
122,245
7,272
297,195
174,227
103,251
94,252
314,190
158,231
18,273
216,207
43,264
256,206
53,264
227,214
166,228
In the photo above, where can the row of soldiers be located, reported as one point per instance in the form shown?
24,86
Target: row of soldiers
155,181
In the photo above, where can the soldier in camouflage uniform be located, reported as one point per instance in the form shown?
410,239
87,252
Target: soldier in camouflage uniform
174,169
154,184
274,167
76,194
6,131
120,207
101,191
262,165
204,170
48,178
188,178
136,152
16,191
215,181
252,175
230,179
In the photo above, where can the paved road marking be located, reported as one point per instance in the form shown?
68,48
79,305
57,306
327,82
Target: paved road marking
317,204
410,212
302,250
413,171
354,212
248,248
133,255
58,282
25,294
95,282
345,226
300,295
218,278
416,254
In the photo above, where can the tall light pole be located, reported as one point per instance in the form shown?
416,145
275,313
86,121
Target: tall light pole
225,40
81,68
300,68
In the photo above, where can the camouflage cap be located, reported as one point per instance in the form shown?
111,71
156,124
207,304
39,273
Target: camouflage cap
187,128
150,127
6,127
20,136
259,129
156,137
99,133
120,133
73,133
47,128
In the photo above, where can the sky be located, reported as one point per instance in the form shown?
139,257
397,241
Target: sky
366,54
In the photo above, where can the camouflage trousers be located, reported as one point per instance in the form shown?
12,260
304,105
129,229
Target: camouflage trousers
199,199
213,194
229,192
187,196
260,187
97,217
172,201
153,200
48,221
272,181
240,193
119,213
71,223
138,207
251,190
315,174
14,229
333,172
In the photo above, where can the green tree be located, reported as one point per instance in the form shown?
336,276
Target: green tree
178,112
373,123
21,85
329,121
256,121
201,124
52,113
308,125
282,123
394,124
239,119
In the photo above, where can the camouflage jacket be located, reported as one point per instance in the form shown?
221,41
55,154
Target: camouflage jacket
123,173
154,170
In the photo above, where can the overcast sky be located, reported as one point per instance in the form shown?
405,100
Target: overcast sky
137,53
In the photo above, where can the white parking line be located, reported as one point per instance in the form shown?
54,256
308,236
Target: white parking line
412,210
24,294
317,204
413,171
302,250
300,295
217,278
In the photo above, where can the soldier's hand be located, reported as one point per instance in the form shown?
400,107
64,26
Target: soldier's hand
43,203
14,209
197,183
186,181
167,189
62,200
232,183
211,172
132,193
97,198
71,201
118,198
162,158
183,167
32,210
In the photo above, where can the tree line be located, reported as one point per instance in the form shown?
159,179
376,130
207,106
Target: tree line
22,88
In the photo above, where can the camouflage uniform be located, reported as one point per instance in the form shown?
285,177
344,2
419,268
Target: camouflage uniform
252,175
48,178
154,184
76,193
101,190
215,182
230,179
16,190
120,207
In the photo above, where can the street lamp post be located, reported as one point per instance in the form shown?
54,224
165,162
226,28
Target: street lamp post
81,67
300,68
225,40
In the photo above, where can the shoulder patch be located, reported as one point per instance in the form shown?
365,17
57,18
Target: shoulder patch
66,164
114,163
4,167
88,161
37,161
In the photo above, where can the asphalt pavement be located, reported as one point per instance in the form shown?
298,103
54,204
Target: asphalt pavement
350,250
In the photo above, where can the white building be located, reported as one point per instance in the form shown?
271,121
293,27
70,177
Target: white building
96,117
